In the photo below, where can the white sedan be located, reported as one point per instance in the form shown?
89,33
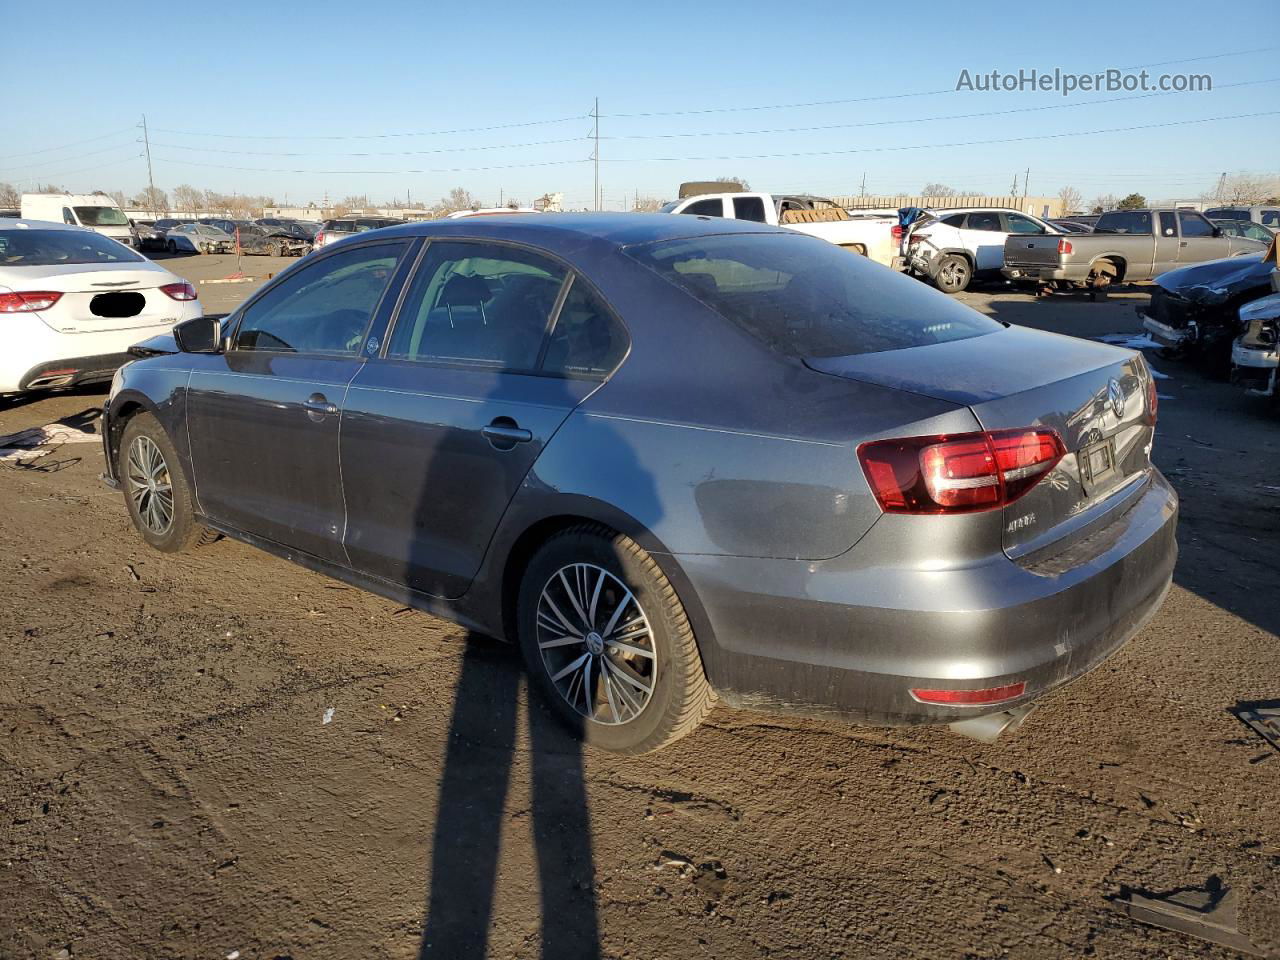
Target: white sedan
72,302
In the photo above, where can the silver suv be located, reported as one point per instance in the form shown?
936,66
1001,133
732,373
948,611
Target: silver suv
346,226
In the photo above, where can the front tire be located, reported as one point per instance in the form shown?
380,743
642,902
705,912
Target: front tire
953,275
173,247
155,488
606,639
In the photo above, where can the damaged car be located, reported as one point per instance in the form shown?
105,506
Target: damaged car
272,241
1196,309
1255,355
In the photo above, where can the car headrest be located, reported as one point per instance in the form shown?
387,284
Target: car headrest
465,291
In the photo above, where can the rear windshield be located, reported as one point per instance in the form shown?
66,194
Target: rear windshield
340,226
805,297
101,217
1127,221
46,248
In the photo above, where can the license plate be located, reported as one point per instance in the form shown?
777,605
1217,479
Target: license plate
1097,464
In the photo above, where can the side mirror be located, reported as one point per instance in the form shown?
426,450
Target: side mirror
1217,231
201,335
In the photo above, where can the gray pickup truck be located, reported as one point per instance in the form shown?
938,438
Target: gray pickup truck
1125,245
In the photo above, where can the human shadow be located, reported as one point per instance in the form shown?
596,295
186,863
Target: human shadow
470,816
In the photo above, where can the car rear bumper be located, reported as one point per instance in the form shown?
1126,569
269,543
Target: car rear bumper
1163,333
72,371
1042,272
850,638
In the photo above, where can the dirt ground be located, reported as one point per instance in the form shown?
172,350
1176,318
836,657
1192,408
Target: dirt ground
220,752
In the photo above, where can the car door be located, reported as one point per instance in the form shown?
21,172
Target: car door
263,416
711,207
1167,242
983,235
1197,241
440,431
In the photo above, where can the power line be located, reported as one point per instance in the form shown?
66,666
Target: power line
510,166
390,153
64,146
1212,56
371,136
889,123
934,146
78,156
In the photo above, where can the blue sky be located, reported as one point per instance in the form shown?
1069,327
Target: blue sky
271,87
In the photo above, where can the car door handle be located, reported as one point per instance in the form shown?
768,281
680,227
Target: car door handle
1182,243
505,433
318,407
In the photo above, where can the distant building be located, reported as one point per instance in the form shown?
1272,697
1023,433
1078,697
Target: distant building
1044,207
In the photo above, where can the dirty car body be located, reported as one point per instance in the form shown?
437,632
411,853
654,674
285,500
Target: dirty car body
872,501
272,241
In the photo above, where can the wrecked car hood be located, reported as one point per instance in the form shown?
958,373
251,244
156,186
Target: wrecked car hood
1216,281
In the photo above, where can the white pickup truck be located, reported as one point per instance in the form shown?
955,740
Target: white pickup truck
871,236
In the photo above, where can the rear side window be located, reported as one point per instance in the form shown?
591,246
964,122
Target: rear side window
705,208
478,303
984,221
1194,225
1124,221
749,208
955,220
804,297
1021,224
48,248
324,307
586,341
1167,226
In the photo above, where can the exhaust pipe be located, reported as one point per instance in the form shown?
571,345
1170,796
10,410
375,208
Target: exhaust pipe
59,381
987,729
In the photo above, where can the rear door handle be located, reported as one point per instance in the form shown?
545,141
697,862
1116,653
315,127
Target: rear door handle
1182,243
318,407
496,431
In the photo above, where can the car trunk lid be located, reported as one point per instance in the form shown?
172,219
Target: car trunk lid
110,297
1021,250
1094,395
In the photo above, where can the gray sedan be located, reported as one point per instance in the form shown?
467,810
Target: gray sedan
198,238
672,459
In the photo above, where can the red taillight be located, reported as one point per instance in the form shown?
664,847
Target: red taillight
972,698
179,291
958,474
28,301
1153,399
318,240
1064,245
897,232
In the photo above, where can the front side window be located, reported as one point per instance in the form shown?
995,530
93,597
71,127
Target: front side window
985,221
805,297
705,208
1124,221
1021,224
68,216
1194,225
749,208
48,248
324,307
101,217
478,303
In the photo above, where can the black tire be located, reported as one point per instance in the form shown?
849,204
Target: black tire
953,273
679,697
142,435
172,247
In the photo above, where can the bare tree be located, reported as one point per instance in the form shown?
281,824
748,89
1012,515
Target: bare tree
1103,202
9,195
1244,188
187,199
740,181
153,199
119,196
48,188
647,205
360,202
937,190
1071,199
457,199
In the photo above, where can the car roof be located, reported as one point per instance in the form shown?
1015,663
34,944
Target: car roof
948,211
20,224
557,230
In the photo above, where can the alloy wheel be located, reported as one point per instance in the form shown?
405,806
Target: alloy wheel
596,644
150,486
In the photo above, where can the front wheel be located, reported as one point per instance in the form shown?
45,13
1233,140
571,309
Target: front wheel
953,274
156,490
607,640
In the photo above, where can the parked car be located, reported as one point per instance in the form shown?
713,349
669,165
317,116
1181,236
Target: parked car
1196,308
1084,219
341,227
271,241
1255,355
817,216
537,426
953,247
72,301
302,229
1267,214
1244,228
1126,245
1070,226
95,211
139,228
198,238
156,237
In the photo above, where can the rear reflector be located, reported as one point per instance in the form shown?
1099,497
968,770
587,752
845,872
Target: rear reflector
959,473
972,698
28,300
179,291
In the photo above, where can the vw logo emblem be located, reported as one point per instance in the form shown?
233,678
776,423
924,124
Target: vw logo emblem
1115,396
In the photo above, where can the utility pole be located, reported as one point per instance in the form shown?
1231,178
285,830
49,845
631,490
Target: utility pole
150,180
595,155
862,191
1013,191
1026,178
1222,186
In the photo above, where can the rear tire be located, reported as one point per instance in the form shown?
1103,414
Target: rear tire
953,274
156,490
595,598
172,247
